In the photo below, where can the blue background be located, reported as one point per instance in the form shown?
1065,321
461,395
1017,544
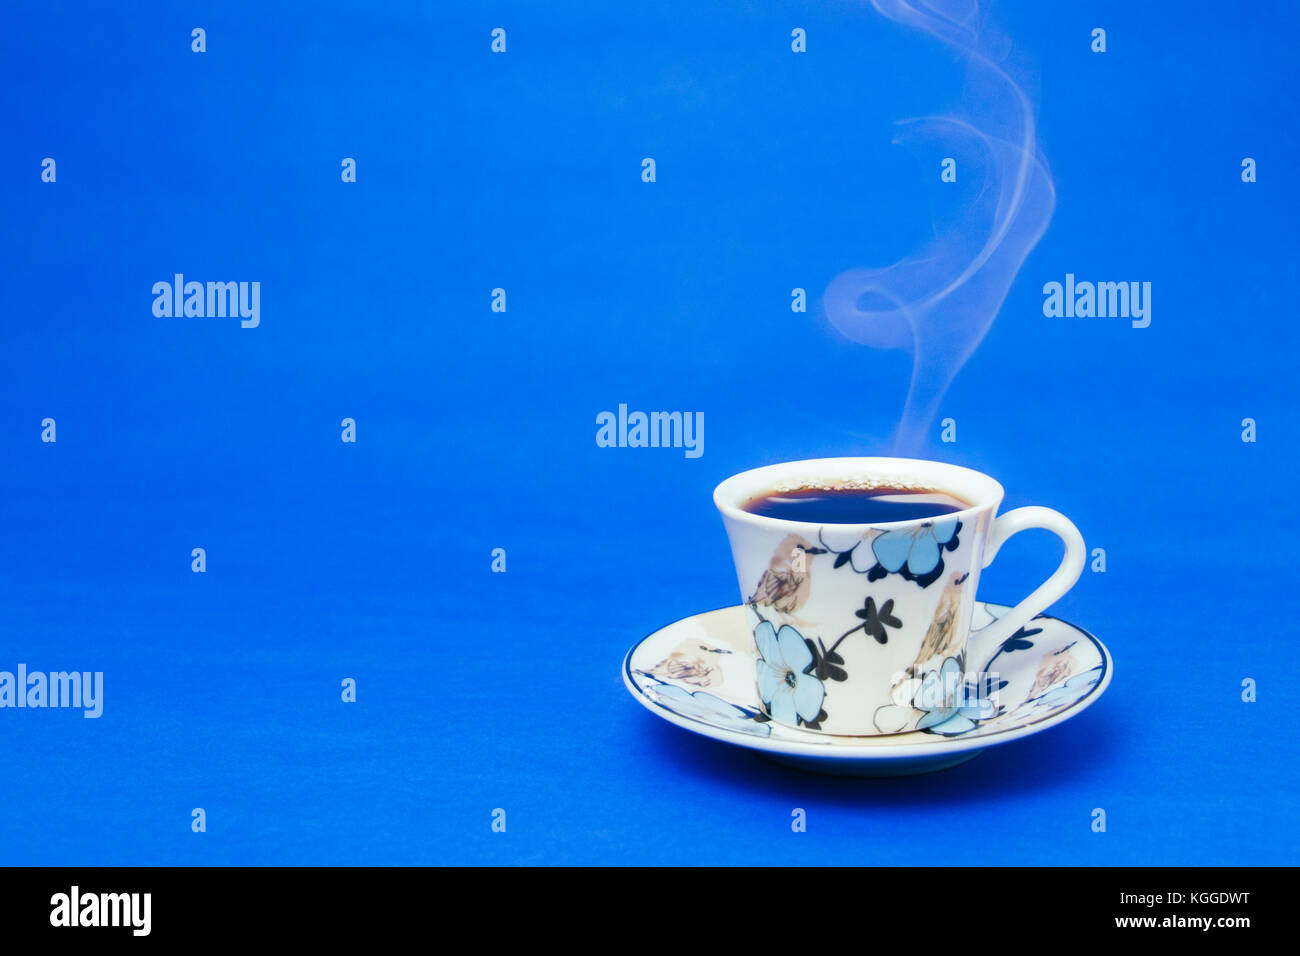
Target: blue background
476,429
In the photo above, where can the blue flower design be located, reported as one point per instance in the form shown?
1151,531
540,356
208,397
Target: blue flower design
1067,692
848,549
938,698
915,553
790,694
1073,689
711,710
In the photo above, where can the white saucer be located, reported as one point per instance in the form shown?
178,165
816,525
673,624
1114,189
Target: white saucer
699,673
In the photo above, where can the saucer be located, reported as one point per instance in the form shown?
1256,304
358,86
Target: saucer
699,673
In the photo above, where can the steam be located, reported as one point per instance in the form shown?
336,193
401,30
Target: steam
940,301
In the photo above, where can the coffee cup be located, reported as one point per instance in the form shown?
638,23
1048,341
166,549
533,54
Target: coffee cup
862,627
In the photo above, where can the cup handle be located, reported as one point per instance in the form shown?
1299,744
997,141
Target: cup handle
1022,519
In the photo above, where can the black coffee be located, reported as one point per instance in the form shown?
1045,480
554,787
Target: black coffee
854,505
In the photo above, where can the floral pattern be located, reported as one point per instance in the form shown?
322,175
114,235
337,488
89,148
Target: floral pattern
1066,692
1048,667
875,620
937,702
1020,641
915,553
792,673
711,710
789,689
856,552
792,670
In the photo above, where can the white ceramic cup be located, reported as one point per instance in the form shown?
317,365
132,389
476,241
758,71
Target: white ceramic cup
861,629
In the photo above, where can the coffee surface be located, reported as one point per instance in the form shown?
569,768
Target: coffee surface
854,505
